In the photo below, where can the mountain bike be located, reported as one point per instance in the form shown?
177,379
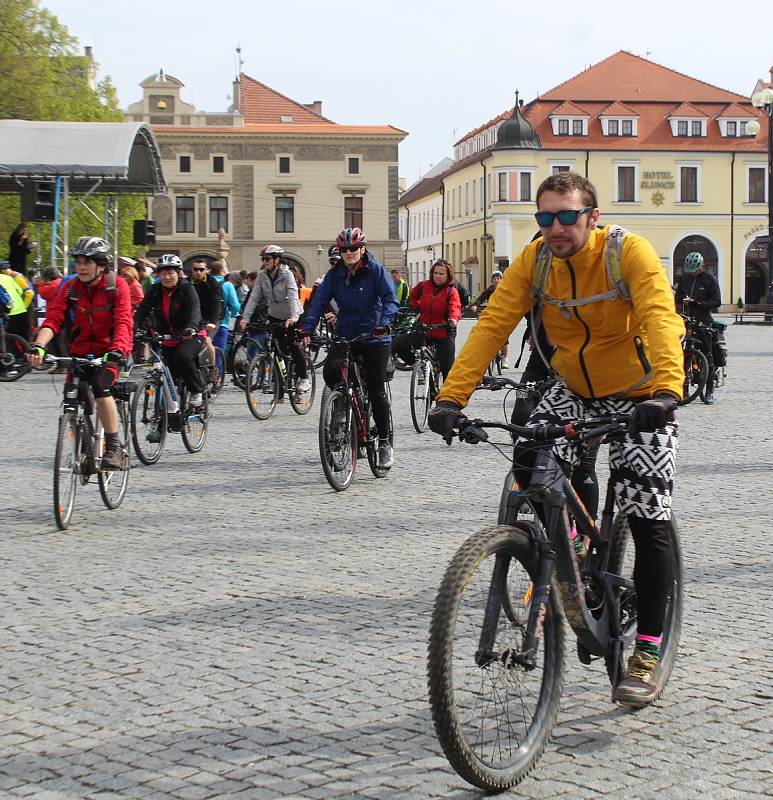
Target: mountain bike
13,350
426,378
161,404
696,363
241,348
271,373
80,442
346,424
496,645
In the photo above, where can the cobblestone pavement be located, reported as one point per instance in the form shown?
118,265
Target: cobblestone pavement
238,630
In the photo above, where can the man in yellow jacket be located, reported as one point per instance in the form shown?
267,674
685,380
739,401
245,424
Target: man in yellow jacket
617,350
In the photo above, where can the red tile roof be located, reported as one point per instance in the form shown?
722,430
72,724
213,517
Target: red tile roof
654,130
292,129
687,110
260,104
624,76
734,110
617,109
569,109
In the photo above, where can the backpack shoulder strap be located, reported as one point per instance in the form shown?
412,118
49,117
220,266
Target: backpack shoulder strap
613,257
541,270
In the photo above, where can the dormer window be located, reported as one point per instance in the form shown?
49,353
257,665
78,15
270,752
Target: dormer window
570,126
689,121
732,128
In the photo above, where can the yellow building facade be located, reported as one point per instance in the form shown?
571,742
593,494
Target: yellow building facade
703,190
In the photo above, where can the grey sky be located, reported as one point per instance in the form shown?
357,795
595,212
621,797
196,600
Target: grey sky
435,69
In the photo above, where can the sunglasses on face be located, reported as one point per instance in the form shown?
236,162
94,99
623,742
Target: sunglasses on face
199,269
266,258
353,249
545,219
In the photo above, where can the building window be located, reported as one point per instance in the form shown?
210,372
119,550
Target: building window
757,185
284,165
563,127
688,184
502,187
681,127
525,186
626,184
697,128
556,168
613,127
285,214
352,212
743,129
218,163
185,207
627,127
732,128
218,214
577,127
353,165
185,163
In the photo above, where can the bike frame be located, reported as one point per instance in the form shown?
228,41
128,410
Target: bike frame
601,635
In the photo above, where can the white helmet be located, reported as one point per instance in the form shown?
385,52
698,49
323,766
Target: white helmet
169,260
272,250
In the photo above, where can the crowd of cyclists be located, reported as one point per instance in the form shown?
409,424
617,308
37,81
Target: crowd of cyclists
602,356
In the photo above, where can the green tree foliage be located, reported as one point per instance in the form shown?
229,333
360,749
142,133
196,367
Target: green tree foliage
44,77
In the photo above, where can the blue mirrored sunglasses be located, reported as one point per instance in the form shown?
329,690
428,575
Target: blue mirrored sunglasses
545,219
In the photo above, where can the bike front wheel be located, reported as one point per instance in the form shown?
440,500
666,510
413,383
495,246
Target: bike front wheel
113,483
621,562
66,461
492,716
13,363
195,421
261,386
421,397
696,373
149,422
337,439
301,402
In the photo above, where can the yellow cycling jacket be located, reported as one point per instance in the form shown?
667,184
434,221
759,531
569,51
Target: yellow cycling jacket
604,348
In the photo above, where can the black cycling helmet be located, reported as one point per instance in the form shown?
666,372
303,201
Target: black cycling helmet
92,247
333,255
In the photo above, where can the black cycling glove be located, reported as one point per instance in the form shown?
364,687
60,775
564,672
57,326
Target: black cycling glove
652,414
114,356
189,333
444,419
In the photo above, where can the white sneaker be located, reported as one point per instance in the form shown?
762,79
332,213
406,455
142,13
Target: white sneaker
195,399
385,455
304,384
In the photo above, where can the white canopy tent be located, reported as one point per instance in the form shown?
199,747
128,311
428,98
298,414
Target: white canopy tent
84,159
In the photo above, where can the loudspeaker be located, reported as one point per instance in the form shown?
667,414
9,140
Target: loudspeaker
37,201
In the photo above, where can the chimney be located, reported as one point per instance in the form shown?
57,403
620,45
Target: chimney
89,51
316,107
236,96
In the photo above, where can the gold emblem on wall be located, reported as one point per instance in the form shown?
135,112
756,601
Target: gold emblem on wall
658,199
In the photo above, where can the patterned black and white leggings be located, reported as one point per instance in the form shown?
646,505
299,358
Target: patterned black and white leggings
642,468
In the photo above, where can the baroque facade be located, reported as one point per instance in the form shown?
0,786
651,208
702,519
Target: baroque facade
269,170
669,155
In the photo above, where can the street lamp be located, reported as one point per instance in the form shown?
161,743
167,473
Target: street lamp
764,99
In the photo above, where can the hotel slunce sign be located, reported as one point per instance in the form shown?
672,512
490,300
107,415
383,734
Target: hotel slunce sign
657,180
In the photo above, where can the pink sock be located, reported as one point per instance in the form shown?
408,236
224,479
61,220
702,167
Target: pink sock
651,639
573,533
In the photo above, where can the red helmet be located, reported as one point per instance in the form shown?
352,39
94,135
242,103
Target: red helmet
351,237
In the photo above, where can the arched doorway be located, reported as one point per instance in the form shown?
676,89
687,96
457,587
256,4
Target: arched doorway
756,282
293,262
695,244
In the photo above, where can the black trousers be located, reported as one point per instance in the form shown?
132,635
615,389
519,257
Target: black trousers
183,361
19,324
405,345
375,359
288,344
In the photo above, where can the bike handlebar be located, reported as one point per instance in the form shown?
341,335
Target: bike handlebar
473,431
